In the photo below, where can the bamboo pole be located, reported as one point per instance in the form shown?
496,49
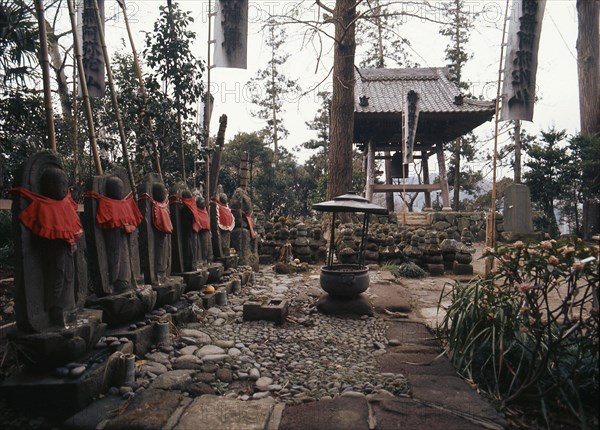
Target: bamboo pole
39,6
403,131
75,124
207,115
84,89
113,96
143,91
491,234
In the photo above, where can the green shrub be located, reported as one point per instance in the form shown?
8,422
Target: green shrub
409,270
530,331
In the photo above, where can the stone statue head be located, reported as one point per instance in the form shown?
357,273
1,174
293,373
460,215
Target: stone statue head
115,188
159,192
54,183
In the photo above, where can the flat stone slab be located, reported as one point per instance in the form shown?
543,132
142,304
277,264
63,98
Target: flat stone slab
411,333
94,414
149,410
405,413
342,413
452,393
357,306
390,295
411,364
213,412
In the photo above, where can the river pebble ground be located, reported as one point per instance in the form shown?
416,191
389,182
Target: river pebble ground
311,356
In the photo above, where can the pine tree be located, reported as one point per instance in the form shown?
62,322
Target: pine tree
270,88
458,30
378,35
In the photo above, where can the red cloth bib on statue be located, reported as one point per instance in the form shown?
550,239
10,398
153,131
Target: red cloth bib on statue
225,218
161,217
250,222
200,215
49,218
204,219
116,213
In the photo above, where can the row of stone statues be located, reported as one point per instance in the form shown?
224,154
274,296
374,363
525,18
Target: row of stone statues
138,253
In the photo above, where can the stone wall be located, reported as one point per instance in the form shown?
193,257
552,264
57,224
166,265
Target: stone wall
386,234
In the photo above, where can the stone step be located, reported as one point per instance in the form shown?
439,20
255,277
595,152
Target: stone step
414,218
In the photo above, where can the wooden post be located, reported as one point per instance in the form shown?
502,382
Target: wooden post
84,90
113,96
75,123
491,234
425,165
443,178
370,170
389,196
207,110
39,5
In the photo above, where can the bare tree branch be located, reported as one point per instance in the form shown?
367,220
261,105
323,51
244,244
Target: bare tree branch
323,6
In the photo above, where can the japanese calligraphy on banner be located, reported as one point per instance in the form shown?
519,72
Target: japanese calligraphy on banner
93,60
411,119
520,65
231,34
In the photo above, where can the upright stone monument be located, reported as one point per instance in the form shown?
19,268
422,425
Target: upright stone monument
50,272
155,241
111,219
222,224
205,243
518,222
185,239
243,236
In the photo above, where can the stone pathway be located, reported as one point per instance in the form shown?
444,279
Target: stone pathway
313,372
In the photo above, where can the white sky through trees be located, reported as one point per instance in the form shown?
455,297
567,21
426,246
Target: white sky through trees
557,87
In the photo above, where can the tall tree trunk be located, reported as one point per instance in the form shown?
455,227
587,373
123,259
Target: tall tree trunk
342,101
215,166
588,65
58,65
274,104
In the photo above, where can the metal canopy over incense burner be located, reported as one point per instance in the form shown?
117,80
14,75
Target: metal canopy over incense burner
347,280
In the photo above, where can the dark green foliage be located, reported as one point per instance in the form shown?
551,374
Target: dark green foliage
175,86
275,189
458,29
547,177
18,41
170,55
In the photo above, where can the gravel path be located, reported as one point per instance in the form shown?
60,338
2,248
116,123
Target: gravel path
310,357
